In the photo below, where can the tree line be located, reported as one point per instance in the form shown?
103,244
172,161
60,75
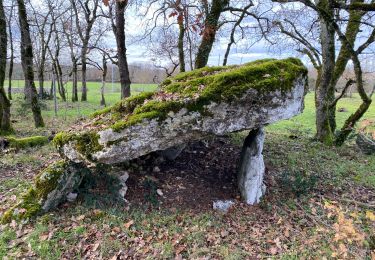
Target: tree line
180,35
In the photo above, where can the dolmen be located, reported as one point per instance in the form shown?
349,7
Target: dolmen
187,107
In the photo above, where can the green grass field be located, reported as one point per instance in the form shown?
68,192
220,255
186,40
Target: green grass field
306,121
68,112
332,218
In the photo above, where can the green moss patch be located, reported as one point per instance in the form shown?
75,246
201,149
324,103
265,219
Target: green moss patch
86,143
51,186
30,204
21,143
125,106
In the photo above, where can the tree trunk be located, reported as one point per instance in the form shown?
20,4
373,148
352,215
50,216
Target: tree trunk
104,76
119,31
325,92
60,80
209,32
84,69
5,124
10,73
41,81
366,100
11,59
27,64
75,81
344,56
181,54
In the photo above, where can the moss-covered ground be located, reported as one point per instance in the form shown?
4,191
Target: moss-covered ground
320,204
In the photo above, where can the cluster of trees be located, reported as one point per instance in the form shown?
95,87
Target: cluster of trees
180,35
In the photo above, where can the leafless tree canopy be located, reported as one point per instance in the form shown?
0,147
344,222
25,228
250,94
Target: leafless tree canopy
77,40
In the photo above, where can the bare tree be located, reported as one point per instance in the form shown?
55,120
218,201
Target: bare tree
329,24
118,26
237,24
70,33
5,124
28,65
103,67
44,27
164,50
11,48
86,13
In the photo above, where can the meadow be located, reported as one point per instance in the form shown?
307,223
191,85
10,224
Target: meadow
319,202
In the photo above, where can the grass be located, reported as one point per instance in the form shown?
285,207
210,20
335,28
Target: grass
306,121
319,223
68,112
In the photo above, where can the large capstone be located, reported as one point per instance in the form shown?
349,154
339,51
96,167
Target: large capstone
190,106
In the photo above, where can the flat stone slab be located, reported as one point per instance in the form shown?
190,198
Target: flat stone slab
190,106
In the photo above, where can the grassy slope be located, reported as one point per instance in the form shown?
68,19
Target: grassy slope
318,223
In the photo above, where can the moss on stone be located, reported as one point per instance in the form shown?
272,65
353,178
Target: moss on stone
125,106
86,143
46,181
21,143
30,204
135,119
194,90
212,84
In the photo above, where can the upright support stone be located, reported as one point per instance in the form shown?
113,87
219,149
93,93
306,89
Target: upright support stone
251,170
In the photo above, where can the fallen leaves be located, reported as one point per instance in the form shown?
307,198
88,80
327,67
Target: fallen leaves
128,224
370,215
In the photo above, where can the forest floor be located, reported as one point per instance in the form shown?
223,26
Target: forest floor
319,202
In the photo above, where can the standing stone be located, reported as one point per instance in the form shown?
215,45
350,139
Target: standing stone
124,188
251,171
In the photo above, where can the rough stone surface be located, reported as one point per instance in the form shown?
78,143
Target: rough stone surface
124,188
71,197
69,180
222,205
252,168
53,186
251,109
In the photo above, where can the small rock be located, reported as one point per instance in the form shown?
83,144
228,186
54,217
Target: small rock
122,192
223,205
159,192
156,169
123,178
71,197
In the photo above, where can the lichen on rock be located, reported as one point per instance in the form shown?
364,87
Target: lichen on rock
50,188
